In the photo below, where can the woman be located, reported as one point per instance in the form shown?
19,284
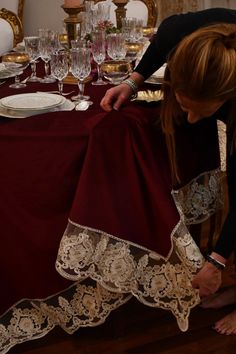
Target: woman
200,83
169,34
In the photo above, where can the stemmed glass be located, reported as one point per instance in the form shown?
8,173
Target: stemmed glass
45,50
76,44
116,48
81,68
32,49
99,53
16,63
59,67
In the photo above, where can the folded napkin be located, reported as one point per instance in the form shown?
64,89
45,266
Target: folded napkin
160,72
2,67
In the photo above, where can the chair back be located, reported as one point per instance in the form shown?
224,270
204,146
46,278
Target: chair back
16,6
15,24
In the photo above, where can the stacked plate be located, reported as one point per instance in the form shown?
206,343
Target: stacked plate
29,104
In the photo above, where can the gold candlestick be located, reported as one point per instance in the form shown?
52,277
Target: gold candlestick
73,22
120,11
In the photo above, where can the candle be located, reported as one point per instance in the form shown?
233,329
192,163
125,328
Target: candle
71,3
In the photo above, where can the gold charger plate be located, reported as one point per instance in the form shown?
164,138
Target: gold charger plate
149,96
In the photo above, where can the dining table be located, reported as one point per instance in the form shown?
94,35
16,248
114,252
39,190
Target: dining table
89,215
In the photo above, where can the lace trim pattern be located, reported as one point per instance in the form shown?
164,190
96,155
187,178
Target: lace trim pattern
221,127
83,304
200,198
122,267
108,271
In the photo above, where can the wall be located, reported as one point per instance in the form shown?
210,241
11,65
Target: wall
43,14
219,3
49,14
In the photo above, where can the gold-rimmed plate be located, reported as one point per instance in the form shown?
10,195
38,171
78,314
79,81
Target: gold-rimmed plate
32,101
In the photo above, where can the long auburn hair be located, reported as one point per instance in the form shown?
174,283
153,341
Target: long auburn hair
202,68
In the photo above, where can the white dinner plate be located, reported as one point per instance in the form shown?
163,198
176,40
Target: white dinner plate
32,101
9,113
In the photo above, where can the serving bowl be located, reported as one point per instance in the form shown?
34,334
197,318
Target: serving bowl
116,71
133,49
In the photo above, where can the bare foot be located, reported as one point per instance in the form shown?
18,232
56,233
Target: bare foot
227,325
222,298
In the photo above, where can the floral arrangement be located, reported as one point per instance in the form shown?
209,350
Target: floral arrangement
107,26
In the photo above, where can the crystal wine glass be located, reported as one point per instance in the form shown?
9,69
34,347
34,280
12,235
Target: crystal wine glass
99,53
116,48
59,67
45,50
81,68
32,49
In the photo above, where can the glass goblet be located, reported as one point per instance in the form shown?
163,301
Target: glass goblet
99,53
45,50
81,68
76,44
59,67
116,48
32,49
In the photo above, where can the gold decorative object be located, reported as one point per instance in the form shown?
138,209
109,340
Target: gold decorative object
149,96
116,70
148,31
15,23
120,11
15,57
72,22
134,46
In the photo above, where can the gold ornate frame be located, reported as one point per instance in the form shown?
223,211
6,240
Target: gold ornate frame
15,22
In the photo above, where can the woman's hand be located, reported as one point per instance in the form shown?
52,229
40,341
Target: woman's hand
207,280
115,97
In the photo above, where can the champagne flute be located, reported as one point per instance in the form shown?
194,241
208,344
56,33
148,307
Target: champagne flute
99,53
32,49
81,68
45,50
59,67
76,44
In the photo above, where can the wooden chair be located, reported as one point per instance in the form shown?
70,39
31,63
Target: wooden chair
16,6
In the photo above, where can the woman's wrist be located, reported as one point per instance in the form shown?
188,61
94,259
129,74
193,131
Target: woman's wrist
218,257
216,260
